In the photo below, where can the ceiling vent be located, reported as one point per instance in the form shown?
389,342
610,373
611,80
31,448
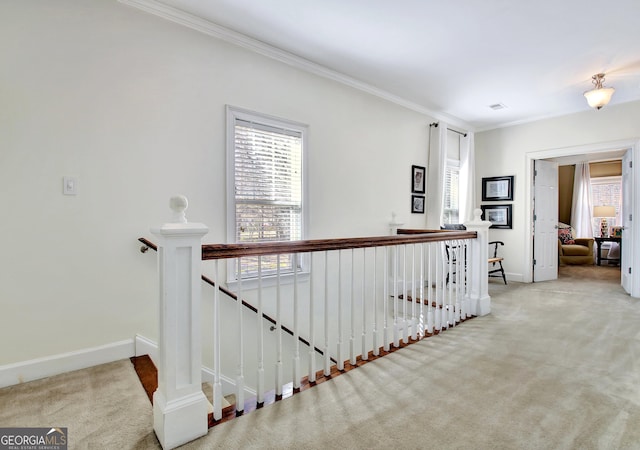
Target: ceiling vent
497,106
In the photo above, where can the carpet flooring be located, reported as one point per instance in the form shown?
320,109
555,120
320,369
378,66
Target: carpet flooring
556,365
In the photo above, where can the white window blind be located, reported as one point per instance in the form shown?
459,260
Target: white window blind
607,191
451,193
268,188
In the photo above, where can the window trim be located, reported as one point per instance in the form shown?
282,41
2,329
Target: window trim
233,113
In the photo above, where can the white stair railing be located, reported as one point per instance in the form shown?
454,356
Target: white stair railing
358,297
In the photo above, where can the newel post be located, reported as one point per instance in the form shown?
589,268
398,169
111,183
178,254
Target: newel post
179,406
478,266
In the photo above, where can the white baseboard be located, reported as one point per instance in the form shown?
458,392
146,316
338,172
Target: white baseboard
145,346
228,384
48,366
518,277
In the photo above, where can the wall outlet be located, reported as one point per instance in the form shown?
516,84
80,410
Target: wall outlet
70,186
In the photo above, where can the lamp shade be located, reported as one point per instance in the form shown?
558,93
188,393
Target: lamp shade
604,211
597,98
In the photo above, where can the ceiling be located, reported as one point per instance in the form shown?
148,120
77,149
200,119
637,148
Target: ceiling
454,58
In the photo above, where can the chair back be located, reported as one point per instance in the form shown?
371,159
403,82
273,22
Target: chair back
453,226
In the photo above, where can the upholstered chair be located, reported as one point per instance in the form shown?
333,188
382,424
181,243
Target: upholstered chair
573,250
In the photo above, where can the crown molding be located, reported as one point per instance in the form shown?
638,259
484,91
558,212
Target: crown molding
233,37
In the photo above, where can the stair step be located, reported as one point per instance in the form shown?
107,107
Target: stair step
148,375
207,388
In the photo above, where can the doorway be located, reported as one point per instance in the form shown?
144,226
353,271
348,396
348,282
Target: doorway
602,191
612,150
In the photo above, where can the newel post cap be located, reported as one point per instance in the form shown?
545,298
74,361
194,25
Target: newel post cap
178,224
178,205
477,221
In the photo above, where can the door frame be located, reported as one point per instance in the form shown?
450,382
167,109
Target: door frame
603,147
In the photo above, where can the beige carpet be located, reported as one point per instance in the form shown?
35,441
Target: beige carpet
103,407
555,366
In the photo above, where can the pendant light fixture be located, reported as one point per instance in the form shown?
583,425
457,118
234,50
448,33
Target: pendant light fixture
599,95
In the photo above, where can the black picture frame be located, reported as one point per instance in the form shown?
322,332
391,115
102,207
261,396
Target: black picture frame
500,216
417,204
497,189
418,179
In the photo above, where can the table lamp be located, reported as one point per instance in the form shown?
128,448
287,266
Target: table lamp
604,212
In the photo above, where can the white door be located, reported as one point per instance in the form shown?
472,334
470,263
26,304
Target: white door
545,221
627,214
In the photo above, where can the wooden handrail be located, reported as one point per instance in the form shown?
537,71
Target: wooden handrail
423,231
223,251
227,292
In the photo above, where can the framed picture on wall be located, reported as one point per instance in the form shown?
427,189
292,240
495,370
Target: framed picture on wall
497,188
417,204
417,179
499,215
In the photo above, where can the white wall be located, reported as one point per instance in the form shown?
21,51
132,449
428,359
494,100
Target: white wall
503,152
134,107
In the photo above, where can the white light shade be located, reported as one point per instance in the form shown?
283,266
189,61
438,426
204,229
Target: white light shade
597,98
604,211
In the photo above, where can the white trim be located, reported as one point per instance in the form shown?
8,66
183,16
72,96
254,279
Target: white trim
233,37
512,276
145,346
268,281
601,147
48,366
228,384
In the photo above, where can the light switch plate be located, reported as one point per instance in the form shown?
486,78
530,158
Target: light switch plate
70,186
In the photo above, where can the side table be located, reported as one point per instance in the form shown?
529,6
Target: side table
600,240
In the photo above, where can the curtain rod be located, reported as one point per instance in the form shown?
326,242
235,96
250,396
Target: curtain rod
435,124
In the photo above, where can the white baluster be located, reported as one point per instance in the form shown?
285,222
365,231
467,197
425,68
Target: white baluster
438,290
464,307
339,345
296,333
405,297
260,349
217,348
376,341
414,295
327,357
449,294
312,327
421,324
454,255
352,335
430,294
459,281
396,326
365,351
240,344
279,381
385,300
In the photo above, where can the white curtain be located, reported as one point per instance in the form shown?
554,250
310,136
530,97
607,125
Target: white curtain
581,207
435,180
467,178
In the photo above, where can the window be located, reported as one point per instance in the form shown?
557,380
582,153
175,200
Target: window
607,191
265,187
450,212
